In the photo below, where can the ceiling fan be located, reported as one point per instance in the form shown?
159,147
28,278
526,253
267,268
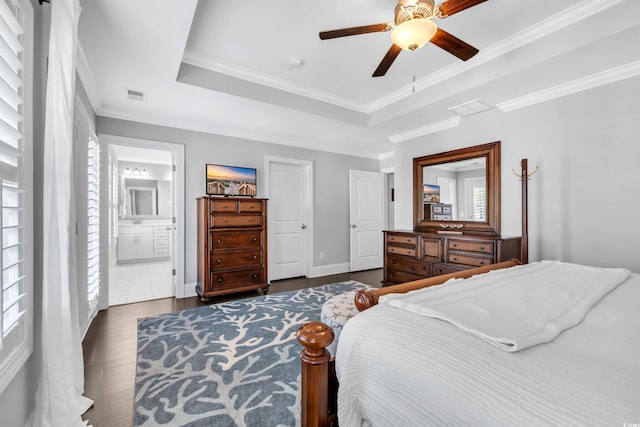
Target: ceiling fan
413,27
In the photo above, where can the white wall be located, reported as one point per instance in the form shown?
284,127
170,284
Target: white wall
331,181
583,202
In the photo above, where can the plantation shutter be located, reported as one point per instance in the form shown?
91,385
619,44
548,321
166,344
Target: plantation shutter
479,202
93,222
12,268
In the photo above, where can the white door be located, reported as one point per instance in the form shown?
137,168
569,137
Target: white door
448,194
367,219
288,225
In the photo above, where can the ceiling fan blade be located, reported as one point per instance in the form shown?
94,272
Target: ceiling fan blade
386,62
450,7
453,45
353,31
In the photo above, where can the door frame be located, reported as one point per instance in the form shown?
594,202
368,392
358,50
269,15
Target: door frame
178,184
307,206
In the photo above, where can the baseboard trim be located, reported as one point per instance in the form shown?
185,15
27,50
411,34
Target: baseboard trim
189,291
327,270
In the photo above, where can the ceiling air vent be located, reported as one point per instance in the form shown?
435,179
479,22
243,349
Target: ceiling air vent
136,95
471,107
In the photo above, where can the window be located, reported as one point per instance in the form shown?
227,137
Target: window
16,51
479,202
476,199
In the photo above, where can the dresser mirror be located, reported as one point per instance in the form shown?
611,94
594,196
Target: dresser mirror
458,191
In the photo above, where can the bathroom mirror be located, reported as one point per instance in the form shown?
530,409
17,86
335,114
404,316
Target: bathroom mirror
458,191
145,198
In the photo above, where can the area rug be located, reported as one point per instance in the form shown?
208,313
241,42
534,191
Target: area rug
230,364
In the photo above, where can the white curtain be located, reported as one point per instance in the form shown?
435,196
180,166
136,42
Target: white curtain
59,400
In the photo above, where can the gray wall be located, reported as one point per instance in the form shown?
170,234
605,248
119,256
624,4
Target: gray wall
582,203
331,181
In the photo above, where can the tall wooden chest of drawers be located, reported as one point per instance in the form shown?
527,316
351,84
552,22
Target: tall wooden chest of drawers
232,245
411,256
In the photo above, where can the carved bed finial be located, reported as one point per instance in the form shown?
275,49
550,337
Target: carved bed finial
364,300
314,337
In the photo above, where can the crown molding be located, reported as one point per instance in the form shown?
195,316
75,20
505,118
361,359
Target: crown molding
560,20
425,130
232,133
541,29
584,83
387,155
86,77
203,61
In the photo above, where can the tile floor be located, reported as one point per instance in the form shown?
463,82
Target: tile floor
141,281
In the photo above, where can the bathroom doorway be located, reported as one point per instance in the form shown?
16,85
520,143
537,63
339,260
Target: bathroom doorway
145,211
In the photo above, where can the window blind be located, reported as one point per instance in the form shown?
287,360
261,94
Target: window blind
479,203
93,222
13,264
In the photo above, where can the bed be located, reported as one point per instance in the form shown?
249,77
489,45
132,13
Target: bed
395,367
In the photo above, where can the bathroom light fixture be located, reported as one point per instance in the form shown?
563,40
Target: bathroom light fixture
127,171
144,172
136,171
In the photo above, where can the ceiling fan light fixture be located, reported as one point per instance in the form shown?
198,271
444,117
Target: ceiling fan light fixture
413,34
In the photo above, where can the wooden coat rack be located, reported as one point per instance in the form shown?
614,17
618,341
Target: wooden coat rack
524,177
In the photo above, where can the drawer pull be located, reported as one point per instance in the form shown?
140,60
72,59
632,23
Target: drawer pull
255,239
481,262
219,280
439,271
218,241
423,268
482,248
254,276
454,258
392,275
219,260
392,262
255,257
455,245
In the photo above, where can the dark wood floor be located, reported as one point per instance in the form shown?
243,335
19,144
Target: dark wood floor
110,345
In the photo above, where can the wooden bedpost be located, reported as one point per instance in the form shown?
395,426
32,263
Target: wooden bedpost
315,337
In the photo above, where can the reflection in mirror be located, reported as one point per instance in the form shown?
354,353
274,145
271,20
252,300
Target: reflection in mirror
455,191
145,198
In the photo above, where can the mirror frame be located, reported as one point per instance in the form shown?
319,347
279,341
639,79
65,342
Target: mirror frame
491,152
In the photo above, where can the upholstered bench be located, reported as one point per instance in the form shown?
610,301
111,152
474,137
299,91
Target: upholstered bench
335,313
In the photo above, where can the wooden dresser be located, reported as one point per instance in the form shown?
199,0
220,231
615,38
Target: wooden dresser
412,256
232,245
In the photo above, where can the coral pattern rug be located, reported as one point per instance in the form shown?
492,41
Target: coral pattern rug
230,364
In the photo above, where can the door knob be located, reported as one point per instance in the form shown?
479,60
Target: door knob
304,227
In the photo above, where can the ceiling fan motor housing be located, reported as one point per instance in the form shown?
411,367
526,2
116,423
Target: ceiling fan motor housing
407,10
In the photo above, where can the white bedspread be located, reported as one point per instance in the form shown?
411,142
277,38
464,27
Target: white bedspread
397,368
518,307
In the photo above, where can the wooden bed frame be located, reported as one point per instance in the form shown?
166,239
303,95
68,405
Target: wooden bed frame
319,382
319,386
